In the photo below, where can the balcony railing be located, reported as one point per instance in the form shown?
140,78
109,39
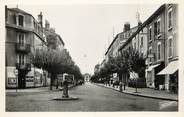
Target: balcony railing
26,66
23,47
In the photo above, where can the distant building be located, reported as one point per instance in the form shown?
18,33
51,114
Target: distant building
23,35
87,77
119,40
53,39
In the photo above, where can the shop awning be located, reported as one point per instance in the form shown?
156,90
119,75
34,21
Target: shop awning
39,70
171,68
152,66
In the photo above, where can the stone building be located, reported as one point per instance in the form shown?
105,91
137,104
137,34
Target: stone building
23,35
162,47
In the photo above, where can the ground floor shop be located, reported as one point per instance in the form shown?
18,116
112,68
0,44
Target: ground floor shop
163,77
171,75
152,79
35,77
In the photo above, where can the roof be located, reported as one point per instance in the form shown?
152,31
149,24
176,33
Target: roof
48,32
149,20
61,40
20,11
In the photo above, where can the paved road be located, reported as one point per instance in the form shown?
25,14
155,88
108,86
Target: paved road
91,98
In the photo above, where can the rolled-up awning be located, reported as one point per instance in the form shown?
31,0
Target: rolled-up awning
171,68
152,66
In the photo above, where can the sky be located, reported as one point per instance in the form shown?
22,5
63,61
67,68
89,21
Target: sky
87,29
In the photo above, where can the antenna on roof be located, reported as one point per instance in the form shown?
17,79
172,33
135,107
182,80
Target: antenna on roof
108,41
113,32
138,16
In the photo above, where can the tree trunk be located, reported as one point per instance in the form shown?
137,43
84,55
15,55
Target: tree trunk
57,83
51,80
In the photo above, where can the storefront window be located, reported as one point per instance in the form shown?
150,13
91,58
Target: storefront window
159,51
170,47
170,18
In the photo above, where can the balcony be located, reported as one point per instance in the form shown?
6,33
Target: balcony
25,48
25,67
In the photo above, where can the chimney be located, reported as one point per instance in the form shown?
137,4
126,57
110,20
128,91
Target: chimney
126,27
52,29
40,19
47,25
139,23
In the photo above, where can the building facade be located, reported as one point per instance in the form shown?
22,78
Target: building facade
119,40
160,47
163,48
54,40
23,35
87,77
171,48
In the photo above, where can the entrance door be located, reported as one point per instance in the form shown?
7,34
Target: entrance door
21,80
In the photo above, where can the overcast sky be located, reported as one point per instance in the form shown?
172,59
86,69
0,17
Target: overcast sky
86,28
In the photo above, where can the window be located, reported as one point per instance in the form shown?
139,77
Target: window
15,19
170,18
134,45
150,53
158,26
170,47
150,33
20,20
155,28
141,42
21,39
158,51
21,59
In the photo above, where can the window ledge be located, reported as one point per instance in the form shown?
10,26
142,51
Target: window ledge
170,28
170,57
159,60
159,35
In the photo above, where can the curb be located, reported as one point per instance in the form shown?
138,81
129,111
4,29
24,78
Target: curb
56,90
169,99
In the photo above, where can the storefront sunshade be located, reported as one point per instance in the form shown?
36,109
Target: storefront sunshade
171,68
152,66
39,70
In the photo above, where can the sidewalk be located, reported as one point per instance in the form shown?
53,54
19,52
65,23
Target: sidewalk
38,89
146,92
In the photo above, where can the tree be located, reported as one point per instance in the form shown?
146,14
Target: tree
134,62
54,61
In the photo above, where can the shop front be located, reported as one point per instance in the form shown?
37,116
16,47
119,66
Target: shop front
171,73
154,81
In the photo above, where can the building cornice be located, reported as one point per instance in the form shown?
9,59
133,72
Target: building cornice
25,30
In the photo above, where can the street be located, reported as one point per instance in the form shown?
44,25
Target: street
91,98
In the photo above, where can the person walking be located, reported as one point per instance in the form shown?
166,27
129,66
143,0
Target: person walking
120,86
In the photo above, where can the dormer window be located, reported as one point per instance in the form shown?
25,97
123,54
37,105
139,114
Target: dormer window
20,20
159,27
170,18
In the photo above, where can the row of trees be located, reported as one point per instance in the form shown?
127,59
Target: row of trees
129,61
55,62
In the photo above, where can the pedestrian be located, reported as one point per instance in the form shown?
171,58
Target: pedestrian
120,86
